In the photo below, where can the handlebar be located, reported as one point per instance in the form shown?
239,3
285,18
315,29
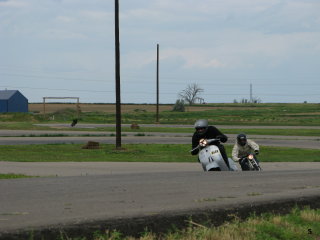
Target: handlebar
213,140
205,142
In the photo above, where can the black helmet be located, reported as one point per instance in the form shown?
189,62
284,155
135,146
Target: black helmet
242,139
201,126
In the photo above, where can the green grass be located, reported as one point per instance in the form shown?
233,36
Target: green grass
275,132
13,176
223,114
237,114
299,224
286,154
21,126
137,153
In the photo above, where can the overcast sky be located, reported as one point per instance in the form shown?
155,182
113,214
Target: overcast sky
65,48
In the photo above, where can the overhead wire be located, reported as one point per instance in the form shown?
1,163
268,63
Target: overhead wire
152,93
141,81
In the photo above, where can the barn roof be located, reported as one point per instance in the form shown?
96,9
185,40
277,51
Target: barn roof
7,94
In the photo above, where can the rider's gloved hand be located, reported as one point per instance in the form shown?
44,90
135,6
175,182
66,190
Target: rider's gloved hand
256,152
219,138
241,160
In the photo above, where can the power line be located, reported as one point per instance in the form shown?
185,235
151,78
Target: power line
162,93
58,89
51,77
177,80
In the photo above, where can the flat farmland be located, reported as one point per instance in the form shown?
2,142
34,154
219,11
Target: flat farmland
266,114
111,108
87,107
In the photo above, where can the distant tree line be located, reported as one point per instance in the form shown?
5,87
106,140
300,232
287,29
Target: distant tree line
245,100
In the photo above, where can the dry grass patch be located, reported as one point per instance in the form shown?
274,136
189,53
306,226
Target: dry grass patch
310,216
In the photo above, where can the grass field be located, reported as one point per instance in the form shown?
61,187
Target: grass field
222,114
137,153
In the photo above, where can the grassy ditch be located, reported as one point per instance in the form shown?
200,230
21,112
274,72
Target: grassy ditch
297,225
137,153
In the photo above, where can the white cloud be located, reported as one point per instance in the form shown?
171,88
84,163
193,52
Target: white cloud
195,57
13,3
136,59
229,37
214,7
61,34
215,64
65,19
239,50
96,15
191,58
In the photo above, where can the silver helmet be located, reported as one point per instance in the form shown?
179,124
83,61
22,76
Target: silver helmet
201,126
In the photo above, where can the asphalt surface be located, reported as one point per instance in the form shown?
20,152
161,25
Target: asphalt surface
16,137
57,202
64,169
63,125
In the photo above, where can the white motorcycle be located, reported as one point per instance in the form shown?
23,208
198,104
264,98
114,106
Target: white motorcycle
211,158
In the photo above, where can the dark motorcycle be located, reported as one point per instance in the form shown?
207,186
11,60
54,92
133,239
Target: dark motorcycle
250,163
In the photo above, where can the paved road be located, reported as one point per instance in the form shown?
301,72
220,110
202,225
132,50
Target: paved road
14,137
278,141
115,168
63,125
57,202
75,200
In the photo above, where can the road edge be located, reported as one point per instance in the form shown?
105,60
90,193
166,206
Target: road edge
162,223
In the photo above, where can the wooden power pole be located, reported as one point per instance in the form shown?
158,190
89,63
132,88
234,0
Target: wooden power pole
157,114
117,77
251,98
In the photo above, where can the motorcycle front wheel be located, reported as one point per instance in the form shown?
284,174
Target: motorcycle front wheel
214,169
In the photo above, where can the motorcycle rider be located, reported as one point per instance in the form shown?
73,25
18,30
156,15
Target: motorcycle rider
208,132
242,148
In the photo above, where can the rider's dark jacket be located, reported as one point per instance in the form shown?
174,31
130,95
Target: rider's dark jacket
212,132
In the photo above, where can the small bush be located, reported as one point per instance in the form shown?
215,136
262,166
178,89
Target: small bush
179,106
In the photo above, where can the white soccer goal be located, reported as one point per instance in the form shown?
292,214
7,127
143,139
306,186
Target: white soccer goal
76,98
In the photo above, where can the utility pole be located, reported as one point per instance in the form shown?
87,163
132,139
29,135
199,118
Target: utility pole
117,77
157,115
251,99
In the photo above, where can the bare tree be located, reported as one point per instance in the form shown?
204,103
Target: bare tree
191,93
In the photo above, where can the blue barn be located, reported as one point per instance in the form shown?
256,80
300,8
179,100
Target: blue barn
12,101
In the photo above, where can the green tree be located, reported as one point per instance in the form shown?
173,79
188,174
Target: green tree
179,106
